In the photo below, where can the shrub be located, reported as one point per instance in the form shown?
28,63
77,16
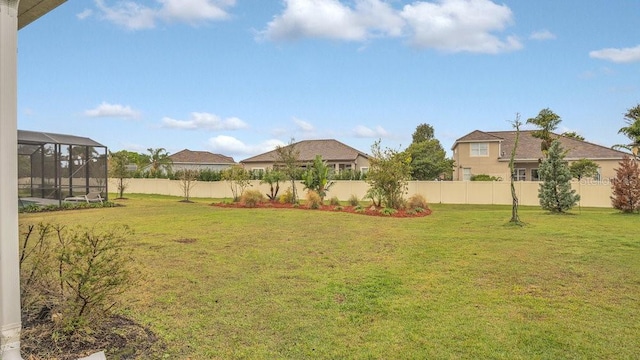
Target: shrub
286,197
388,211
334,201
338,208
359,209
485,177
92,269
353,200
251,198
626,186
417,201
313,200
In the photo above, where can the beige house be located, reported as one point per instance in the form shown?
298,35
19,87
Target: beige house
337,155
199,160
481,152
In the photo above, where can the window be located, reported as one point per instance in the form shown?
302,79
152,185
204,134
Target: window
479,149
364,170
466,174
534,175
598,175
519,174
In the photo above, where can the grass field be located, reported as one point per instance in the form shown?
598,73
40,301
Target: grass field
459,284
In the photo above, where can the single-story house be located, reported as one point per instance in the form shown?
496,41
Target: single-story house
489,152
337,155
199,160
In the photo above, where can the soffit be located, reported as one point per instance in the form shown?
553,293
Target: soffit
30,10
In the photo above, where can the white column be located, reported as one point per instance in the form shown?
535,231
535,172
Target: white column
9,264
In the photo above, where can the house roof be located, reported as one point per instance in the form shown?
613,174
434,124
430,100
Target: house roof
529,147
329,149
200,157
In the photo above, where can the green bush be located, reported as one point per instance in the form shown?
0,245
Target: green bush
388,211
286,197
334,201
313,200
485,177
251,198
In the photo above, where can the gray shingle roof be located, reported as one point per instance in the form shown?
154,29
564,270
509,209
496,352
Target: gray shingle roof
200,157
329,149
529,146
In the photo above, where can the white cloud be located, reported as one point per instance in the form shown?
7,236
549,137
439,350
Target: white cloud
113,110
624,55
334,20
447,25
365,132
303,125
205,121
225,145
134,16
542,35
84,14
460,25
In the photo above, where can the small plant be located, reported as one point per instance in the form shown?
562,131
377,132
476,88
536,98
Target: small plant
286,198
418,210
338,208
417,201
92,268
313,200
359,209
388,211
353,200
334,201
412,212
251,198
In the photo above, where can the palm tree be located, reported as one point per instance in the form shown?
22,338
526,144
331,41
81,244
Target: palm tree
632,130
158,160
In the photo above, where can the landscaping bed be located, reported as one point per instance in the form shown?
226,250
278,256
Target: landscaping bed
369,210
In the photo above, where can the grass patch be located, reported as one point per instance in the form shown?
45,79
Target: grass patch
274,283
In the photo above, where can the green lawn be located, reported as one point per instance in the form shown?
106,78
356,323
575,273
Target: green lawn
459,284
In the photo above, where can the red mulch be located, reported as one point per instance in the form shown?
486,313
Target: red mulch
367,210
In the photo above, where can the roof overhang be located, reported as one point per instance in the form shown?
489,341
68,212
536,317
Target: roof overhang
31,10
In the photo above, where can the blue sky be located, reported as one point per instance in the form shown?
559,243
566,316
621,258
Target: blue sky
238,77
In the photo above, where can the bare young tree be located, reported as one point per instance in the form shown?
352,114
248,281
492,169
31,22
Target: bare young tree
188,179
288,161
515,218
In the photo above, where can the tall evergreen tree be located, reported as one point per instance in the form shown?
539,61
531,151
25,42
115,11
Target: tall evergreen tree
555,191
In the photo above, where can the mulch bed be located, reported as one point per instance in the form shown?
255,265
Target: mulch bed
117,336
366,210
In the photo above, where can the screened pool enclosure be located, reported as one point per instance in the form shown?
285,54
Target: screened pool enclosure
52,167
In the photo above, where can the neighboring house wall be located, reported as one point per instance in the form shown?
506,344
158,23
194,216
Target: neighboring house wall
468,163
